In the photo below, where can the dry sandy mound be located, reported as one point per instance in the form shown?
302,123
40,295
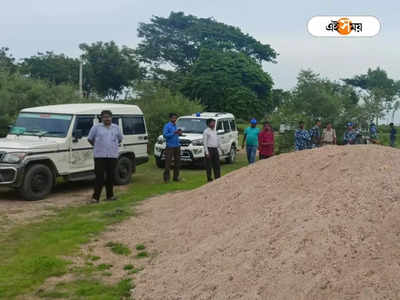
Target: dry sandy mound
319,224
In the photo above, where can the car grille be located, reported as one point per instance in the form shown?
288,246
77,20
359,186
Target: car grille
184,142
7,175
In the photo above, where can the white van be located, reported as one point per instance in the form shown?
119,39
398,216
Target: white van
192,149
51,141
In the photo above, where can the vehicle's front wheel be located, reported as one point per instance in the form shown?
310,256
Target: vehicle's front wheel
160,163
232,155
38,182
123,171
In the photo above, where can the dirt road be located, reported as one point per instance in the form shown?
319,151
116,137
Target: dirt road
14,210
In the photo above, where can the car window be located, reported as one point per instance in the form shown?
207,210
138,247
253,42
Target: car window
115,120
133,125
219,125
226,126
84,124
233,125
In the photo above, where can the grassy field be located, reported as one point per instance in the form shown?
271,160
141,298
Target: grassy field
32,253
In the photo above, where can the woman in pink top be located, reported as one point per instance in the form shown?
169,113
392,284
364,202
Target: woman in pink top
266,141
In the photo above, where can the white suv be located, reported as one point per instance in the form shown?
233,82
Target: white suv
192,149
51,141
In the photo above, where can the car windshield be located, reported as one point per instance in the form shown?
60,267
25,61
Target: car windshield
191,125
51,125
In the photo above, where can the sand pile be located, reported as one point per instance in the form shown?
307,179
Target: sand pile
320,224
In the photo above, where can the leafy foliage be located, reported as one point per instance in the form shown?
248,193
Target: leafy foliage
56,68
178,40
230,81
7,61
108,68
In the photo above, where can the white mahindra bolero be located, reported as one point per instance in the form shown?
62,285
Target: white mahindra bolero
51,141
192,148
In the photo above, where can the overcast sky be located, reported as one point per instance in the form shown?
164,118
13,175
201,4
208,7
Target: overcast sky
29,26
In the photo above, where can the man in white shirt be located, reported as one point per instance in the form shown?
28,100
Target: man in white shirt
211,146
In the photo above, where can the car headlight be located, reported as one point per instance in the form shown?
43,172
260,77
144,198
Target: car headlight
197,142
160,140
13,158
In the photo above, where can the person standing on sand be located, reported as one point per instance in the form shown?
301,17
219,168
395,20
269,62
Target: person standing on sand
315,134
393,133
266,142
250,139
329,135
211,145
105,138
302,138
173,150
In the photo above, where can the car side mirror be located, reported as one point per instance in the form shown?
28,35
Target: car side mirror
77,135
220,131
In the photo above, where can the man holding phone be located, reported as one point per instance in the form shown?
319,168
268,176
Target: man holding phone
173,150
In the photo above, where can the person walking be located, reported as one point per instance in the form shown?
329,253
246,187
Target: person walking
266,141
315,134
211,145
302,138
329,135
105,138
350,135
393,133
173,150
250,139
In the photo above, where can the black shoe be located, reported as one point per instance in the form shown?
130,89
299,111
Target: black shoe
209,179
113,198
178,179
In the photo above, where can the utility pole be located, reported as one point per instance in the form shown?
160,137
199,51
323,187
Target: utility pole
81,79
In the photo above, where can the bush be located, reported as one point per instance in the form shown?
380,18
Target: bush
157,102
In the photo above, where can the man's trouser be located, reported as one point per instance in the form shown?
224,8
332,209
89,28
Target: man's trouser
392,142
251,153
172,152
104,166
212,161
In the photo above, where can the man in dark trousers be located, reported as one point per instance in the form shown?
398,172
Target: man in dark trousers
173,150
211,146
105,137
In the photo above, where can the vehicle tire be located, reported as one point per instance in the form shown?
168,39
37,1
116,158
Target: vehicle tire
232,155
123,171
160,163
38,182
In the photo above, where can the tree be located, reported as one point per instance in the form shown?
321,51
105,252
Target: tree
109,69
7,61
178,40
56,68
379,92
230,81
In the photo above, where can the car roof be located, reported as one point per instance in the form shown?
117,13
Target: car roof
86,108
207,115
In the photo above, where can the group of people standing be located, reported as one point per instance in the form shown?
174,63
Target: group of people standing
255,139
308,139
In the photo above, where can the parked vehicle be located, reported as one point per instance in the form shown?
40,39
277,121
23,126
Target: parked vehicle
192,149
51,141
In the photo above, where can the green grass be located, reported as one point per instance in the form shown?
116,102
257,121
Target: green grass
140,247
119,248
142,254
128,267
34,252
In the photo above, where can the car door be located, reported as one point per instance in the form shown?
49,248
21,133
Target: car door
81,151
234,132
222,137
228,136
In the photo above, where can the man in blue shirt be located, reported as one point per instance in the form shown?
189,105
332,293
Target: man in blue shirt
173,150
350,135
105,138
302,138
315,134
250,139
393,133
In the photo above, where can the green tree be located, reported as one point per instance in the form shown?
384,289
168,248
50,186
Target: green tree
7,61
378,92
109,69
56,68
230,81
177,41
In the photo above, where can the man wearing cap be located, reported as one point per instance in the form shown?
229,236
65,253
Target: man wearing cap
105,138
350,135
250,139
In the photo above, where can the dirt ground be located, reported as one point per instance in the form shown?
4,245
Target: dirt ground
319,224
14,210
